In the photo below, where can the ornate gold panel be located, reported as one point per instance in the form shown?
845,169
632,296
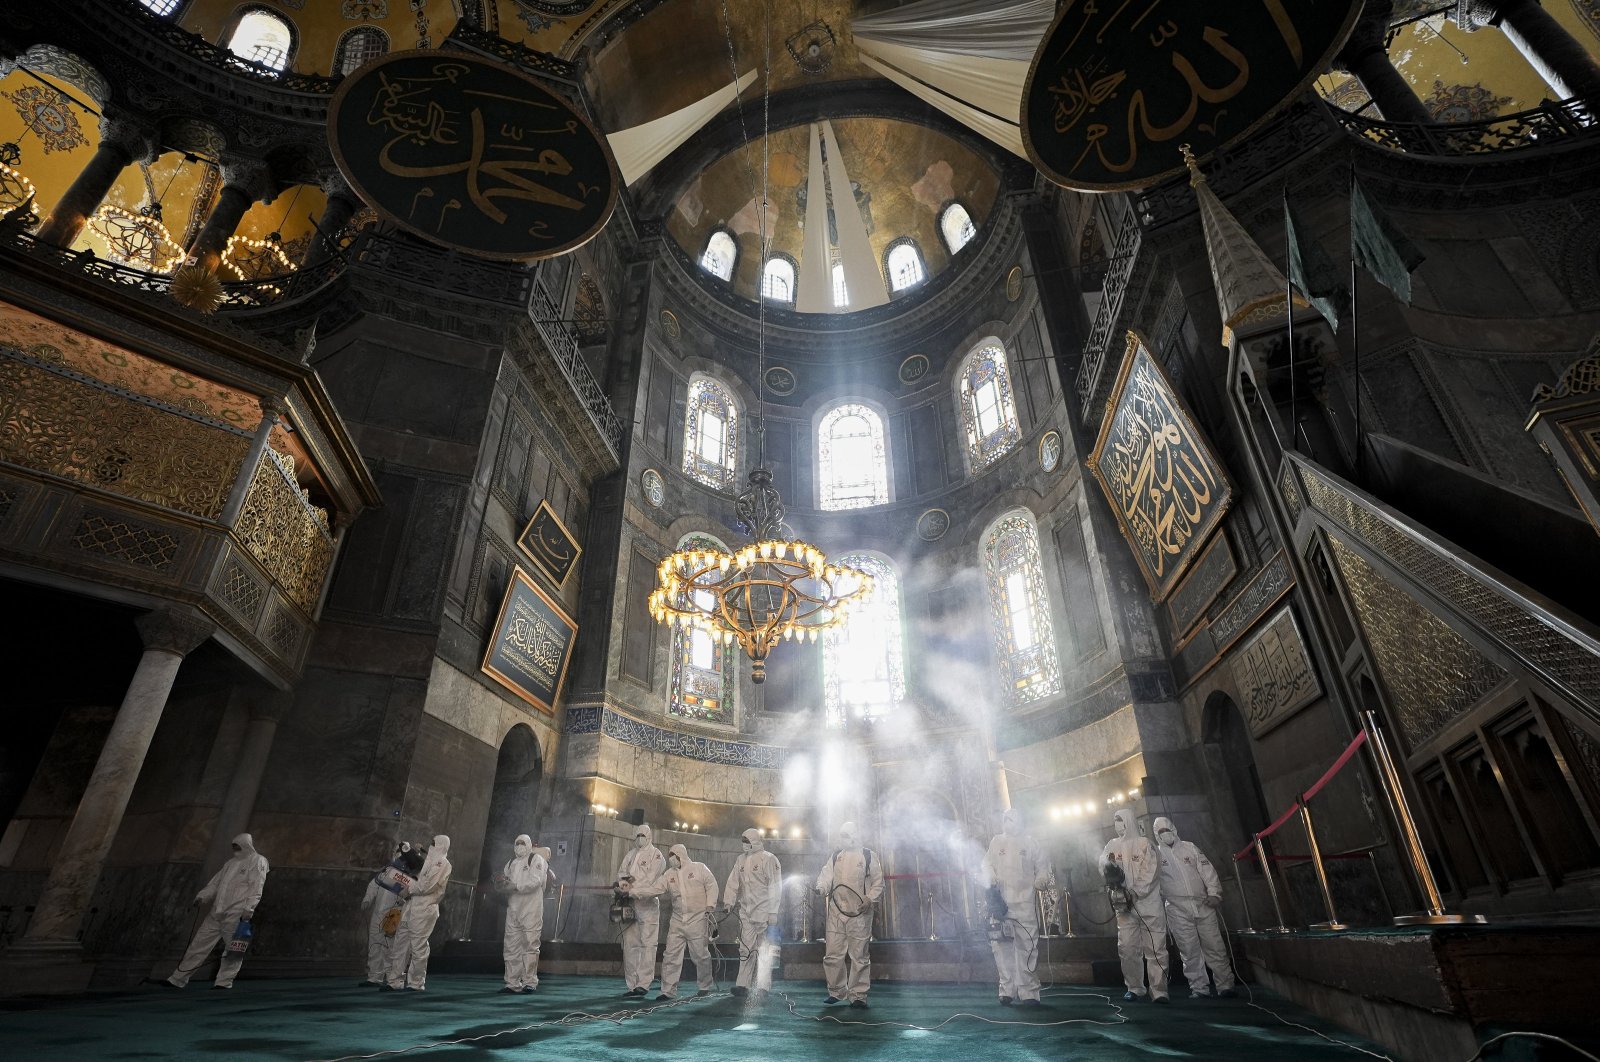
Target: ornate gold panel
285,532
56,422
1432,673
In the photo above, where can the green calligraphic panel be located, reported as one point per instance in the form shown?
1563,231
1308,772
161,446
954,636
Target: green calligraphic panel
531,645
1118,85
472,154
1164,483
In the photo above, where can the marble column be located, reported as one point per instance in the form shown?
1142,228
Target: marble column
243,185
271,410
1366,58
169,634
1560,59
342,206
122,143
267,709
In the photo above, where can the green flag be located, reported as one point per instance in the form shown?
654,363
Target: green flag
1378,245
1310,268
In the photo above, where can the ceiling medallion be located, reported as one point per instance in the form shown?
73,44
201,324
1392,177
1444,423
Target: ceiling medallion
1050,451
913,369
654,487
812,47
1014,284
780,381
773,589
932,525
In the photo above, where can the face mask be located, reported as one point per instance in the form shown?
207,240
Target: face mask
1122,828
521,849
672,861
747,845
640,841
1168,838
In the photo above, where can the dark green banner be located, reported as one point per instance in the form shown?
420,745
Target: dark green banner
1118,85
472,154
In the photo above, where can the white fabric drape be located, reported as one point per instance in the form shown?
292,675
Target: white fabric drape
1007,134
814,293
993,85
638,149
862,276
999,29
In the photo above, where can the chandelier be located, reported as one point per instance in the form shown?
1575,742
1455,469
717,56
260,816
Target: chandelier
137,237
17,193
251,259
775,589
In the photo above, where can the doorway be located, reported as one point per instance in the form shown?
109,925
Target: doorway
513,809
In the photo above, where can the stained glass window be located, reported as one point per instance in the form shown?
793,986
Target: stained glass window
777,280
1025,642
702,667
720,254
852,461
956,225
863,669
357,47
905,266
711,433
262,37
988,409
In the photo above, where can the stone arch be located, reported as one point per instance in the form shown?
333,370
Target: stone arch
1228,759
513,809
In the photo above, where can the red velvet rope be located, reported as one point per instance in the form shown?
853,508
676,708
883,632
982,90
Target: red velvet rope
1327,776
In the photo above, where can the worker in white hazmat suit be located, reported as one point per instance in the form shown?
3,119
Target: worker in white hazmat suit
851,883
755,888
643,864
1192,893
1132,870
231,896
408,955
526,876
1016,867
693,890
383,896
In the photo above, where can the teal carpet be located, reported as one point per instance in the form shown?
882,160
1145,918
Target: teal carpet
328,1019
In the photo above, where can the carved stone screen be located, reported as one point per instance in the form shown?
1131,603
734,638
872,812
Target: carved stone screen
471,154
1117,86
1165,484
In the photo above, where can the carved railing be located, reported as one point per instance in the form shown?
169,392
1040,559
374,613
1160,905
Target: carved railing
198,47
62,423
418,262
534,62
1548,124
1124,255
286,534
557,338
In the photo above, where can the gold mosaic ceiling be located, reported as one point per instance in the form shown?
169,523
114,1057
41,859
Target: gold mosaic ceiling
905,173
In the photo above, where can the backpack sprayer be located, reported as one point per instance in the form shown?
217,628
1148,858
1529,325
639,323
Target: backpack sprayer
622,911
1117,893
1000,926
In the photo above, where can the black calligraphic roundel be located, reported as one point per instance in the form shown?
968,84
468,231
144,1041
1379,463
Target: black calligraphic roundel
472,154
1118,86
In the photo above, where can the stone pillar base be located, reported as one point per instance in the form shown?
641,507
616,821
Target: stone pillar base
44,969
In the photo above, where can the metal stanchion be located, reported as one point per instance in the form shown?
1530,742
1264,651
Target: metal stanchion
891,918
561,894
924,903
1066,912
1333,922
1272,887
1434,914
1377,878
1244,898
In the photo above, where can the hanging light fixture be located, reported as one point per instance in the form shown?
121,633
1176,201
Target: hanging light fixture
16,191
778,587
138,237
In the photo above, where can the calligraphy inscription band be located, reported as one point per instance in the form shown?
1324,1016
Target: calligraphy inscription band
531,645
1164,483
1117,85
472,154
550,545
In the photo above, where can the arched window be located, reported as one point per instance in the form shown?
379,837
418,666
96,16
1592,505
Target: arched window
702,666
852,460
720,255
841,293
357,47
863,667
1025,642
263,37
163,8
956,226
777,280
904,264
711,433
988,409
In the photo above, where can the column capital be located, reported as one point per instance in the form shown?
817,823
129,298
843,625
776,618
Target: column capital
1473,15
175,630
253,177
334,186
1370,34
129,135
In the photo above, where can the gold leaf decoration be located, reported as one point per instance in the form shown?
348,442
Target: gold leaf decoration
197,288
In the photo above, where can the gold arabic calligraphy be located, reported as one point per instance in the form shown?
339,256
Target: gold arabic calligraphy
534,645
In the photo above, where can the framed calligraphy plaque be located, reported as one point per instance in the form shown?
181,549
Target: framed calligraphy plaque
1274,674
551,546
532,644
1165,484
472,154
1117,85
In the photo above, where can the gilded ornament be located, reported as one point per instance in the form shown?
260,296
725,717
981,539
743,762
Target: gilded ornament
196,287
